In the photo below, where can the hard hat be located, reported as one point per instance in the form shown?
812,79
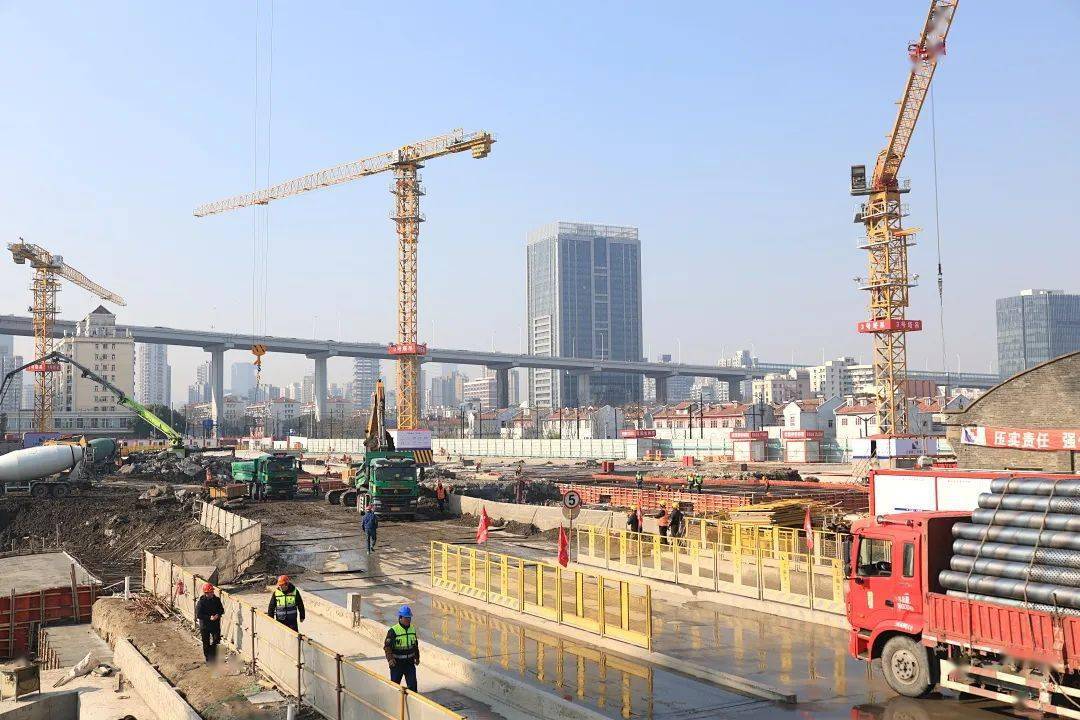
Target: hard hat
663,504
208,588
283,580
405,612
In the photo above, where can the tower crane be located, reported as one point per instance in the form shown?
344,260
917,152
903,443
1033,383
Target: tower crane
48,269
887,241
405,162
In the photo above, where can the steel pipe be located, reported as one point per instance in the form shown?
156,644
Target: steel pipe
1052,575
1017,536
1012,603
1036,486
1053,595
1037,503
1018,553
1020,519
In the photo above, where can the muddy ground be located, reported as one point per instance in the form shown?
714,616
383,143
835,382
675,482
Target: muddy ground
105,528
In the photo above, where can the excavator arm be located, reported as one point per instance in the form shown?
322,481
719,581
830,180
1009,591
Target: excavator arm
176,440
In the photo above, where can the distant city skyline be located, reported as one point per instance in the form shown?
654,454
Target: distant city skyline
731,158
1035,326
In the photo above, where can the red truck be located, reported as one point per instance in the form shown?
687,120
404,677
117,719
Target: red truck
900,613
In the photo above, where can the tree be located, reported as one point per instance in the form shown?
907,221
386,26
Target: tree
143,429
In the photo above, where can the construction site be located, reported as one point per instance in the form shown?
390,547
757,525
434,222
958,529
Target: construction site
412,571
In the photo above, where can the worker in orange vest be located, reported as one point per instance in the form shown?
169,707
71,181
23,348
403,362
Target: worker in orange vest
440,497
663,519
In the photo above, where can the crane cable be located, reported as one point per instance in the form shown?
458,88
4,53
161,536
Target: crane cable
937,238
260,241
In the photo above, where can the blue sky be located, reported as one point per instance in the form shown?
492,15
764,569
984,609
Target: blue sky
723,130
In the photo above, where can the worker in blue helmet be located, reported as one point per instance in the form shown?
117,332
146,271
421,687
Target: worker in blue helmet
402,649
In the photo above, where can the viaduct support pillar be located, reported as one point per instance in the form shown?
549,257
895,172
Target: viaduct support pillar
734,388
661,389
217,388
502,387
320,386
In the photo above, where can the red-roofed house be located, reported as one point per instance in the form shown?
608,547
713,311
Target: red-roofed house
713,422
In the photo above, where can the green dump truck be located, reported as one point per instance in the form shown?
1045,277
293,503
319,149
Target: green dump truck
388,480
270,475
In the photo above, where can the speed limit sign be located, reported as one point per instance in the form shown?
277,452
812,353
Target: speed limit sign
572,499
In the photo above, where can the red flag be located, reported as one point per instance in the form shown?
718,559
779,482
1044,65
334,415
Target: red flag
564,547
482,529
809,528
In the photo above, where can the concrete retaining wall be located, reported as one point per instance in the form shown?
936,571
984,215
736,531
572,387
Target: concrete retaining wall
544,517
161,697
52,706
244,538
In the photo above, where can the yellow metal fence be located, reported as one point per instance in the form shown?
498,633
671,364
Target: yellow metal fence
595,603
762,562
336,687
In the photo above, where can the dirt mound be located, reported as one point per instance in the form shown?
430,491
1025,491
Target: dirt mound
106,529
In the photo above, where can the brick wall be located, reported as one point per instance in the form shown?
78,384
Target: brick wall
1046,396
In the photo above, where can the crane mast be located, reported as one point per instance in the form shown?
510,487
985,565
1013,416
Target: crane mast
48,269
887,241
405,163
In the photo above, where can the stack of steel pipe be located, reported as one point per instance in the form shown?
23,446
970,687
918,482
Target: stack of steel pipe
1021,548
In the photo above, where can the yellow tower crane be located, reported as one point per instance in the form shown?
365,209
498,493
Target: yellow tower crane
405,162
48,269
887,241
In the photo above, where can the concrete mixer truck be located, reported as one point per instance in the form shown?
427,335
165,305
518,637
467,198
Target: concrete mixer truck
55,468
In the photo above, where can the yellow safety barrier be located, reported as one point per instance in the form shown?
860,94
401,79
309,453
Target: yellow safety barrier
595,603
755,561
335,686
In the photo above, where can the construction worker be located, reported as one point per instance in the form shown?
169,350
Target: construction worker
208,612
639,478
440,497
370,524
690,482
402,649
633,523
663,520
675,522
286,605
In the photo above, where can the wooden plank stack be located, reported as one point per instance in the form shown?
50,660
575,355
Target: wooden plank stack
784,513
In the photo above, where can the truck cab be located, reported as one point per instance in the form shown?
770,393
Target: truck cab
891,564
389,482
270,475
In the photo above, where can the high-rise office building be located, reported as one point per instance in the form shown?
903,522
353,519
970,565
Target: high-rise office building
365,375
242,379
584,301
1036,326
11,401
153,376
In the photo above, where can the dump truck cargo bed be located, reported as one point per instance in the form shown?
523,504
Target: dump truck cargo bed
1010,631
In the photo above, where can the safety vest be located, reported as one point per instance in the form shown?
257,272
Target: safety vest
440,492
285,604
663,519
404,642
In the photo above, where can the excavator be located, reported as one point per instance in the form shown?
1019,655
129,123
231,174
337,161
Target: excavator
387,480
176,440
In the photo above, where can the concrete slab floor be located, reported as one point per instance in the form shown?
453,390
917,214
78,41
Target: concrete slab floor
72,642
42,571
98,697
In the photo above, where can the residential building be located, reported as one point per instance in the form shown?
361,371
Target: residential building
487,423
278,415
365,375
234,416
483,390
109,352
679,387
153,376
307,390
584,300
782,388
832,378
813,414
447,391
589,423
242,380
711,422
1036,326
857,417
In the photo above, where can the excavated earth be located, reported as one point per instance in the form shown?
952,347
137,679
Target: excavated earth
105,528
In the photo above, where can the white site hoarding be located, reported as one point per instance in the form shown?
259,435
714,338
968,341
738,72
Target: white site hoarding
897,491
